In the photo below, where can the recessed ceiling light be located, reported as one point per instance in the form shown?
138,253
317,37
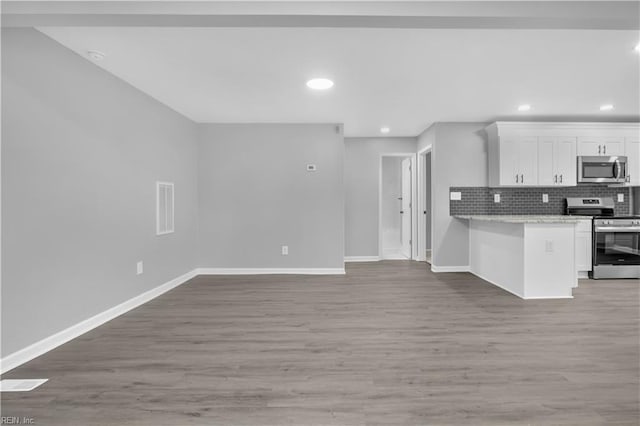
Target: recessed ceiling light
525,107
96,55
385,129
320,84
607,107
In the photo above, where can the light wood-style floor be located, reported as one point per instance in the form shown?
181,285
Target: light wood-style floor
390,343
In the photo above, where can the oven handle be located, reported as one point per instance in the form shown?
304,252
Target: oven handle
618,169
617,229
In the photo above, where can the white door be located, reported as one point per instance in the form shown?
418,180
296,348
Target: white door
613,146
406,208
528,161
632,151
565,164
589,146
546,168
509,172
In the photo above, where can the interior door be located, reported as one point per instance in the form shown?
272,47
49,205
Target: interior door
406,208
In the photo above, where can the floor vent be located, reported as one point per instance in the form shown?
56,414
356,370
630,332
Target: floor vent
20,385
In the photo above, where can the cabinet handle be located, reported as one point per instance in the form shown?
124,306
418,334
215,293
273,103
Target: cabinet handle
521,178
560,178
516,178
604,148
599,149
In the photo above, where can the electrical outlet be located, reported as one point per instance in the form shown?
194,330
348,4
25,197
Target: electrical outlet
621,198
545,198
496,198
285,250
311,167
455,196
139,268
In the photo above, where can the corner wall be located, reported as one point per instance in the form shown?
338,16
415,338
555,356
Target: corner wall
81,152
459,158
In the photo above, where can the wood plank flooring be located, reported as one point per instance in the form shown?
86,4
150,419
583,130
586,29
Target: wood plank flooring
390,343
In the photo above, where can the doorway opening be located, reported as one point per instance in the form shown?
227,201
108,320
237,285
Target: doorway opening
425,216
397,212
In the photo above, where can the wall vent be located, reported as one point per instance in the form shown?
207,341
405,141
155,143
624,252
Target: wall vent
164,208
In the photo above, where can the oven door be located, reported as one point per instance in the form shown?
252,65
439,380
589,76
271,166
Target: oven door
616,245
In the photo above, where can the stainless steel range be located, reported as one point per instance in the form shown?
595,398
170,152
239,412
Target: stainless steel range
616,239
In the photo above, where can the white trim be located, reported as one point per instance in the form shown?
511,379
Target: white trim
270,271
17,358
438,269
583,275
362,258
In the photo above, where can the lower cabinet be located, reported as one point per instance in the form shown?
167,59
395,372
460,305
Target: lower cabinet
583,246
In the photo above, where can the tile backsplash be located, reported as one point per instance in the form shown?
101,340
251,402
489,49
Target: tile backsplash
479,200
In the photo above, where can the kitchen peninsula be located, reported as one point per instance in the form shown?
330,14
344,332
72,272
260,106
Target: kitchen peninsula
532,257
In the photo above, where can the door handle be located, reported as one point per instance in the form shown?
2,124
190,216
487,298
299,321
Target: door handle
401,211
424,212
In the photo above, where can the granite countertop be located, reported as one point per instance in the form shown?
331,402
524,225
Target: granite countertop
525,218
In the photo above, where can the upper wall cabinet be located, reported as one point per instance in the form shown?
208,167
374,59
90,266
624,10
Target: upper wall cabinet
545,154
594,146
632,151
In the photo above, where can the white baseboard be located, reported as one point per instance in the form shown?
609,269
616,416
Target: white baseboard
270,271
435,268
17,358
583,275
362,258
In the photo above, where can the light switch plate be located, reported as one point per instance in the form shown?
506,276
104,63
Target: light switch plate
545,198
496,198
139,268
455,196
621,198
285,250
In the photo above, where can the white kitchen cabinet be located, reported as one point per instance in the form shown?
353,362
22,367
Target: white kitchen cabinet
632,151
545,154
594,146
518,162
583,246
556,161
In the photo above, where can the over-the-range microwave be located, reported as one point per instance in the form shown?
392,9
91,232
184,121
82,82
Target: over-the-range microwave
601,169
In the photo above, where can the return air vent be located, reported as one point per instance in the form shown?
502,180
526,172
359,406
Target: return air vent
164,208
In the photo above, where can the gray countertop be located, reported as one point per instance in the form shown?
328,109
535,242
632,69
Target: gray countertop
525,218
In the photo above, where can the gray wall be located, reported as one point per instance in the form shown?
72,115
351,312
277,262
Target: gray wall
81,152
427,201
255,195
362,174
459,158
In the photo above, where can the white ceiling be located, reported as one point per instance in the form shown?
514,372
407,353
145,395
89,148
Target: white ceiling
402,78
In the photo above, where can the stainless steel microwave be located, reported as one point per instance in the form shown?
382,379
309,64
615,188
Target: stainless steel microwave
601,169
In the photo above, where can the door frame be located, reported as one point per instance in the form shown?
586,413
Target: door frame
414,216
421,245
